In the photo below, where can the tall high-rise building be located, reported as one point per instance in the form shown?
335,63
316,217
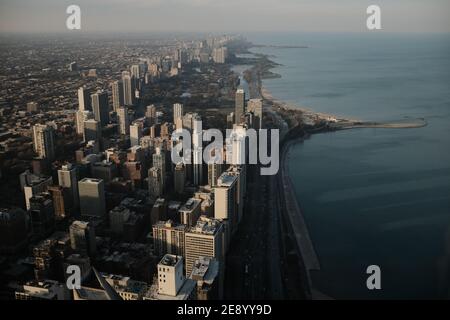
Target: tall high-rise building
42,215
33,184
190,212
44,141
214,172
220,55
128,88
197,152
159,161
256,106
227,199
84,99
168,237
92,130
135,134
177,112
170,275
100,107
81,117
155,183
117,94
62,201
82,238
179,178
150,114
92,197
68,178
239,105
124,120
135,71
206,238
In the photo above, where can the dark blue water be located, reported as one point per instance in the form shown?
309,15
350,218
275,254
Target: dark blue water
373,196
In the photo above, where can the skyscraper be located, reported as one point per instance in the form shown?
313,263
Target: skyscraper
67,178
226,199
135,71
84,99
256,106
92,130
100,107
179,178
239,105
177,112
124,120
155,183
170,275
190,212
168,237
220,55
81,117
150,114
128,88
206,238
117,94
42,215
43,141
159,161
135,134
82,238
214,172
197,142
92,197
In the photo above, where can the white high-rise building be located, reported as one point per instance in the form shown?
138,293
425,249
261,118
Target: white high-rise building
170,275
81,117
135,71
124,120
177,112
67,178
128,88
43,141
84,99
117,94
206,238
197,142
220,55
225,197
135,134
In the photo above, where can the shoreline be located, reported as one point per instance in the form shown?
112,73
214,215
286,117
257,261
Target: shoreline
300,122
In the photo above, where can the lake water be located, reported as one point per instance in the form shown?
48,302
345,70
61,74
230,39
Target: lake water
372,196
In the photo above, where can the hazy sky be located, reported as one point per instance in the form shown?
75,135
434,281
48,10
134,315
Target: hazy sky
224,15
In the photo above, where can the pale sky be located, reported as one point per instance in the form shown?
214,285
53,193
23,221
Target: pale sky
224,15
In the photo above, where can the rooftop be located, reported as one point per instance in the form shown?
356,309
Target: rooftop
171,260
